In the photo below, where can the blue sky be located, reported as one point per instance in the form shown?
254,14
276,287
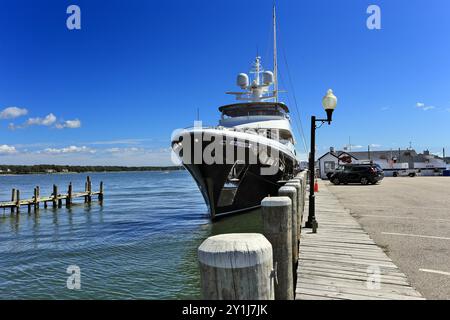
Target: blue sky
113,92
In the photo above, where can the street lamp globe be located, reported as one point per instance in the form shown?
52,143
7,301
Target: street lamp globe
329,103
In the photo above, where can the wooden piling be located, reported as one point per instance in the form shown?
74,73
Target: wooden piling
291,192
100,195
277,226
55,195
303,176
89,189
299,210
18,201
69,195
85,190
13,199
236,267
36,198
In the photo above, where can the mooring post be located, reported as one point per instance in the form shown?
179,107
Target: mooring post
13,199
89,185
291,192
36,198
100,195
86,191
55,195
17,200
236,266
69,195
277,226
301,198
297,184
304,176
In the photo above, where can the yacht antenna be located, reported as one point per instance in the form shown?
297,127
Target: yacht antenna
275,64
259,88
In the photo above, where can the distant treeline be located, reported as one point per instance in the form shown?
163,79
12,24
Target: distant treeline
44,168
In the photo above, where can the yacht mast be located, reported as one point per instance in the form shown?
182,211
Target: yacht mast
275,64
259,89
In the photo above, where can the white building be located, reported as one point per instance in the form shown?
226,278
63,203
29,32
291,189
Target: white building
392,161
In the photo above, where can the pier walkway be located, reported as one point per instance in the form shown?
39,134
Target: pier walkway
56,198
342,262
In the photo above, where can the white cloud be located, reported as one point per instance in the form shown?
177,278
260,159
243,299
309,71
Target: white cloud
125,150
385,108
47,121
5,149
70,149
12,113
71,124
375,145
120,141
424,107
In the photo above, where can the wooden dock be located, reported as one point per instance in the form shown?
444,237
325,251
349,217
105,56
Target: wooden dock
342,262
56,199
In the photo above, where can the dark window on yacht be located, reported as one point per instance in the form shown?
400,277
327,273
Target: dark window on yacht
253,111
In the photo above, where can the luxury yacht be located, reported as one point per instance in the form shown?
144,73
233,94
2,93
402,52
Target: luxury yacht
251,152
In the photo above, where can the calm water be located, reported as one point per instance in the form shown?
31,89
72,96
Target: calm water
141,244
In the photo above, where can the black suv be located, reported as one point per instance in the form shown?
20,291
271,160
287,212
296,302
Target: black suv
357,173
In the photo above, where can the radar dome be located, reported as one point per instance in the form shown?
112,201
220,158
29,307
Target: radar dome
268,77
242,80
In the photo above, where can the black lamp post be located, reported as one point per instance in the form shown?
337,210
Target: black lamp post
329,103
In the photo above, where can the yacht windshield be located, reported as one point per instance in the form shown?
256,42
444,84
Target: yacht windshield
244,110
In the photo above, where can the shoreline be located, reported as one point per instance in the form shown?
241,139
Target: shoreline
83,172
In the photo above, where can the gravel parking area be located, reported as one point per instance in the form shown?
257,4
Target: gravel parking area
410,219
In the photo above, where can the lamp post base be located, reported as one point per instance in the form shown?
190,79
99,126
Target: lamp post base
312,225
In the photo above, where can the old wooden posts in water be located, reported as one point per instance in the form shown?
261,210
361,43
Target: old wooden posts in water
253,266
56,198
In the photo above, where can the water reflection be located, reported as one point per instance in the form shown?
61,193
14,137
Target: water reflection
249,222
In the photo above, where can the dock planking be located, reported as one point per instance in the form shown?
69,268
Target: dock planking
56,198
341,261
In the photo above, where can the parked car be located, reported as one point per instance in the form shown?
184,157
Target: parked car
406,173
357,173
